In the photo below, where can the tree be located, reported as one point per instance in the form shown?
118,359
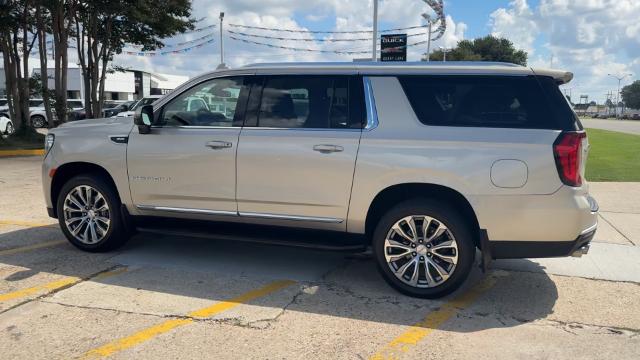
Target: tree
43,27
17,38
488,48
631,95
103,28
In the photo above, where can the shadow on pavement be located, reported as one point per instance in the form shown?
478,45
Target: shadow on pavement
332,284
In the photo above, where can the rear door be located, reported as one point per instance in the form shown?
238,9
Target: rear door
298,148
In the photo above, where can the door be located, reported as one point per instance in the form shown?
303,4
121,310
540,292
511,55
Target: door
298,148
187,163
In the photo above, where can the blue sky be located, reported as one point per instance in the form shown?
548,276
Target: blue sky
591,38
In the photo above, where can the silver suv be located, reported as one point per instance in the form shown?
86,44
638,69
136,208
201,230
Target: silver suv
424,163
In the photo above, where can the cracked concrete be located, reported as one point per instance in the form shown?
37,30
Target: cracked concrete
339,307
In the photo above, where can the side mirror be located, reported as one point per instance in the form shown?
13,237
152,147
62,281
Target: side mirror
143,118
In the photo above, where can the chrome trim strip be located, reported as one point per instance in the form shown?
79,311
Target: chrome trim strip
253,128
187,210
589,229
372,113
291,217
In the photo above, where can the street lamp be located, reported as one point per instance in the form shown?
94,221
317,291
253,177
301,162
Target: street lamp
444,52
620,78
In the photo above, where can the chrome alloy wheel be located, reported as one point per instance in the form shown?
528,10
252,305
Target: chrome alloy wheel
421,251
86,214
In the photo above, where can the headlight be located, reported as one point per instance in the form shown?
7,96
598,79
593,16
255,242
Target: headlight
48,143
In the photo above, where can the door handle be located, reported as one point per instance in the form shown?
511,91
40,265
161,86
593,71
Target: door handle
217,145
326,148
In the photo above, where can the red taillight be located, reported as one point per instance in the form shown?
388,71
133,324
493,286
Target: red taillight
568,153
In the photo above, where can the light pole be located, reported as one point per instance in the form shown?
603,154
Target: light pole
222,64
374,46
444,53
620,78
428,18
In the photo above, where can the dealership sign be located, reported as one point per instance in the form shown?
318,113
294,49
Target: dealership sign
393,47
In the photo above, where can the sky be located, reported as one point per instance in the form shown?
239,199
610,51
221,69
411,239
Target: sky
591,38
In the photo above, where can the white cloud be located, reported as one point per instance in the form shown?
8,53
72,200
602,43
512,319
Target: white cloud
592,38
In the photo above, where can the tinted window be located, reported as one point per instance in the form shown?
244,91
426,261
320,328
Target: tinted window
306,102
211,103
36,103
480,101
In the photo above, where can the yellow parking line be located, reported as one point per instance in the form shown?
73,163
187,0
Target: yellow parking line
151,332
24,223
56,285
31,247
21,152
412,336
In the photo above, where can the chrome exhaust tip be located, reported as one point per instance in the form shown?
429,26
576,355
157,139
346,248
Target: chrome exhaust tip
583,250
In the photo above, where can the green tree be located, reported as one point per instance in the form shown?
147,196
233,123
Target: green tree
631,95
103,29
488,48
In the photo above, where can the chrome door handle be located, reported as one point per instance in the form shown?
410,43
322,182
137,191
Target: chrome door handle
217,145
326,148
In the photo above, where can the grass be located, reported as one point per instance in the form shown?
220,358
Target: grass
614,156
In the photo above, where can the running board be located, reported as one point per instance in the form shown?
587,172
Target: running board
262,234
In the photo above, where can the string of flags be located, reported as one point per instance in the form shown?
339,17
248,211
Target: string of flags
343,52
170,52
307,39
325,32
184,43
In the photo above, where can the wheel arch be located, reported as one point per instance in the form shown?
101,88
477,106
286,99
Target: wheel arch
67,171
395,194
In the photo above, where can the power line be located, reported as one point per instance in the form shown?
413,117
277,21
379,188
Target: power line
344,52
308,39
324,32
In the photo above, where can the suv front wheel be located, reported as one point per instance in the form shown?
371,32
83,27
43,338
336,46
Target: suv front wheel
423,248
89,214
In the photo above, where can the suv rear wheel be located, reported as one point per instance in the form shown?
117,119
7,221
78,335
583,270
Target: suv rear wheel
423,248
89,214
38,121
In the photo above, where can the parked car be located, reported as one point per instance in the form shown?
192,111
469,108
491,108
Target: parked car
6,125
147,100
38,114
116,108
422,162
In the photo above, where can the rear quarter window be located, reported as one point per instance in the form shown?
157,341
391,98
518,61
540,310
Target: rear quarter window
484,101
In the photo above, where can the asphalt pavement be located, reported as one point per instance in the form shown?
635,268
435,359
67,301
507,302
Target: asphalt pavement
625,126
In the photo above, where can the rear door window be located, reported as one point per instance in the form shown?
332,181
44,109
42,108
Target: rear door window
480,101
312,102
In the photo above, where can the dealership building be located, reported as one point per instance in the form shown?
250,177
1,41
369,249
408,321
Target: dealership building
126,85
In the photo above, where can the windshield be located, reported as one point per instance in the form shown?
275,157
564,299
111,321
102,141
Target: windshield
142,102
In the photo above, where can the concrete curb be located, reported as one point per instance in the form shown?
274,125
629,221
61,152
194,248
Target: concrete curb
7,153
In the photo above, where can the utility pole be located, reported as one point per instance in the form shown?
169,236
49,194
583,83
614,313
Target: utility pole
428,18
620,78
222,64
374,46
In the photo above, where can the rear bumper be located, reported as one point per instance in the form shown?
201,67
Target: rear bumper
542,249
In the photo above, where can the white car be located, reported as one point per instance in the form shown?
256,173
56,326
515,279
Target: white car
147,100
38,114
6,126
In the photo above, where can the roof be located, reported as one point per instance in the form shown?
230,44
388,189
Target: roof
437,67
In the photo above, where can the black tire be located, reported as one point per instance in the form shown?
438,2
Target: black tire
38,121
9,129
456,225
116,235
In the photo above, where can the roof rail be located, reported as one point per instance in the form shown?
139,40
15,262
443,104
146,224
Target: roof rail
389,63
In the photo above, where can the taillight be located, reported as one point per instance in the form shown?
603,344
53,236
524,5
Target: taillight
567,150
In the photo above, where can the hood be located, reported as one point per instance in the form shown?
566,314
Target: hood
109,124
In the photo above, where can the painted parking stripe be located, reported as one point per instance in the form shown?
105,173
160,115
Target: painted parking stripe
32,247
4,153
57,285
418,331
166,326
24,223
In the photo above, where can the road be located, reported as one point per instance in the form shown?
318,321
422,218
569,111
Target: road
625,126
165,297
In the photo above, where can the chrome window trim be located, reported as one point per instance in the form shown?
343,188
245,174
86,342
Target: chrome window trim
290,217
370,104
187,210
302,129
